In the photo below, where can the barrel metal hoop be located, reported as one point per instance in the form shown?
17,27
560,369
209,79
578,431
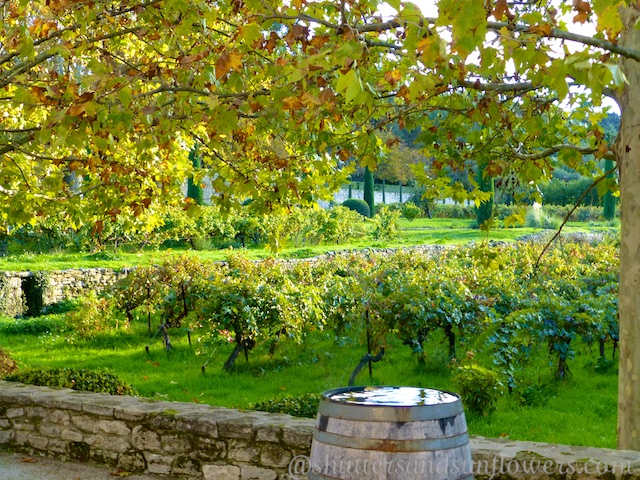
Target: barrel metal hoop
371,413
384,445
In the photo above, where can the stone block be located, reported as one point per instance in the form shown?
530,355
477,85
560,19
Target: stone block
275,455
248,472
21,437
14,412
51,431
59,417
4,423
186,465
71,435
68,403
22,426
38,441
160,464
85,423
36,413
209,449
198,424
100,455
114,427
175,443
110,443
297,437
221,472
245,452
5,437
236,428
143,439
98,409
132,462
57,446
268,433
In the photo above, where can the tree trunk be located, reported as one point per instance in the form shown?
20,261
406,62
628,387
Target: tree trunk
628,154
228,365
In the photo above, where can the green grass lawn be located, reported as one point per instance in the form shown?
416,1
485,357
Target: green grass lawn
578,411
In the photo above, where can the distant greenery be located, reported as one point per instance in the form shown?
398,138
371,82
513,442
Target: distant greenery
357,205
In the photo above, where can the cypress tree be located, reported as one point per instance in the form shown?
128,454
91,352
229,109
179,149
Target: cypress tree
368,190
195,190
485,184
608,200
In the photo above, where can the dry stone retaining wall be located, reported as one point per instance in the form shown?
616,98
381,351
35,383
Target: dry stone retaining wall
53,287
202,442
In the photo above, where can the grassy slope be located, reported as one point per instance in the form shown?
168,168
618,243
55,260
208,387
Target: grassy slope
563,413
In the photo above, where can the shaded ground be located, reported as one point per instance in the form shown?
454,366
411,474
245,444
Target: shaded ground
18,466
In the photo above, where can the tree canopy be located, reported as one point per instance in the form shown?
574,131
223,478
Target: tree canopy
102,101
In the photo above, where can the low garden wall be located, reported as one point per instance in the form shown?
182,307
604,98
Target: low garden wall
211,443
30,293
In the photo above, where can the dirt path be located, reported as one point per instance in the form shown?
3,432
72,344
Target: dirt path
17,466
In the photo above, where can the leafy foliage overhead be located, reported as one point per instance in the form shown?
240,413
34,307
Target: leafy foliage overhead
102,100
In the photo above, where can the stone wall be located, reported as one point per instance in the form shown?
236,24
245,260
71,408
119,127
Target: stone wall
194,441
30,293
12,302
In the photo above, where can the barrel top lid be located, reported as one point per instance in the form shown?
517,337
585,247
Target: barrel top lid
390,396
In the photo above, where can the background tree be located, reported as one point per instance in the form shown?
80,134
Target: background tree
113,91
484,210
608,199
368,193
194,185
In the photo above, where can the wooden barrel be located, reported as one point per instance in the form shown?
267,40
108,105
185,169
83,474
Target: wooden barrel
390,433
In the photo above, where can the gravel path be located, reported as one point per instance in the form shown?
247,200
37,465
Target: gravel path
18,466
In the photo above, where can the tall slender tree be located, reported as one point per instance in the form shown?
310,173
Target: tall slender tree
369,194
194,186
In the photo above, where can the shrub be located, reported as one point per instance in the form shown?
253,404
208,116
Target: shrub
92,316
303,406
479,387
357,205
536,218
536,395
453,210
385,225
76,379
410,211
339,225
7,364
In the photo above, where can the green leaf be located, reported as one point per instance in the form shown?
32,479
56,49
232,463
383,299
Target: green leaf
125,96
345,80
395,4
354,89
619,78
